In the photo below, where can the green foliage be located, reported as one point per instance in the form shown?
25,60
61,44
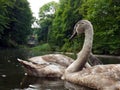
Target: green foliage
47,10
4,19
15,22
46,14
56,28
21,27
105,16
43,47
66,16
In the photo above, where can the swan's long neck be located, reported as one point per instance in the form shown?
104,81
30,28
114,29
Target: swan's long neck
83,55
87,46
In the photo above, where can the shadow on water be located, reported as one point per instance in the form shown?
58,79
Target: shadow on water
42,83
12,75
106,59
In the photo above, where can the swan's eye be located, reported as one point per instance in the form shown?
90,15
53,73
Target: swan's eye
82,23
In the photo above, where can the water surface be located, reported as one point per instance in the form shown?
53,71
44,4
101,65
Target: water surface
12,76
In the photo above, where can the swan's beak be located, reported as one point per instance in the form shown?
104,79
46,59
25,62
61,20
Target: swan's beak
73,35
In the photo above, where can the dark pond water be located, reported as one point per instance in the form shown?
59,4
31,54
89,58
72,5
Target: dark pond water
12,76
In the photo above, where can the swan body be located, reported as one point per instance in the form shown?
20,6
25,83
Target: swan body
51,65
100,77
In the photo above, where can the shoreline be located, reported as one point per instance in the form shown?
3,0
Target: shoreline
97,55
107,56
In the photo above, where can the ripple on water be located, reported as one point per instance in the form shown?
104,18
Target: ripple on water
3,75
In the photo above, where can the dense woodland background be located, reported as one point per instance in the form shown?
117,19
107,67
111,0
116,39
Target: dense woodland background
56,22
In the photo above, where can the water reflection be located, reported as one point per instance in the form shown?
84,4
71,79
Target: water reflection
71,86
10,70
109,59
10,81
33,83
42,83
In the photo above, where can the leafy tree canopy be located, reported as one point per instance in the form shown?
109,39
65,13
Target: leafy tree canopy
105,16
46,14
15,22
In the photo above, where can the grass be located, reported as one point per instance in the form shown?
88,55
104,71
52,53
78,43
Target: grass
44,47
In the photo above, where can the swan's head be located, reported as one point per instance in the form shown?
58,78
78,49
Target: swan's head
80,27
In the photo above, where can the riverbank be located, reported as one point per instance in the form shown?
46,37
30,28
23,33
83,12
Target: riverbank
97,55
46,49
108,56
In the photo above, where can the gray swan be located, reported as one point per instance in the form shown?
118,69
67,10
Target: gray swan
52,65
100,77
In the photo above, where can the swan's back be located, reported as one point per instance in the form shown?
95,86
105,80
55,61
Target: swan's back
100,77
51,65
52,58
